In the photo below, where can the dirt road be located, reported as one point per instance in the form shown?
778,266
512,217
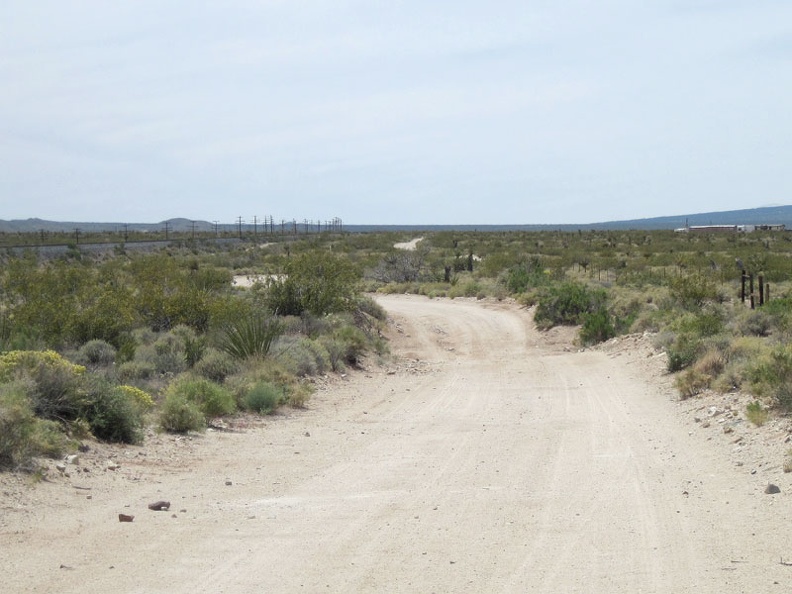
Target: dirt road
487,459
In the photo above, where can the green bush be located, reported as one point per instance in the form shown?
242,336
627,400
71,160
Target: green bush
22,435
566,304
193,346
136,370
168,354
597,327
692,291
216,365
96,352
756,413
354,341
179,415
212,399
316,282
263,398
520,277
683,352
113,414
301,356
56,392
771,375
17,426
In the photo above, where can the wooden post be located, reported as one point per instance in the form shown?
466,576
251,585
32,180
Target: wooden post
742,287
751,288
761,290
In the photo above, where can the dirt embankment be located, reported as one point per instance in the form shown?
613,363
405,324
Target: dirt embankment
486,458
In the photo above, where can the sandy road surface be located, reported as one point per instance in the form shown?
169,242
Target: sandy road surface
486,460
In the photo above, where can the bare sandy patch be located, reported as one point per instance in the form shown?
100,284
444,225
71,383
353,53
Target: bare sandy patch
408,245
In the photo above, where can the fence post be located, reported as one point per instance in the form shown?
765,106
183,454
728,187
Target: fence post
751,288
761,290
742,287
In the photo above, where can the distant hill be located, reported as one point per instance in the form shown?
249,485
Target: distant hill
772,215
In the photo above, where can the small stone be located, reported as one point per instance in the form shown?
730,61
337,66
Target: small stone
772,489
307,434
228,483
159,506
125,518
73,459
61,467
112,465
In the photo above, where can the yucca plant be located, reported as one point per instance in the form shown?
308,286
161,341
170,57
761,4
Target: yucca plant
250,337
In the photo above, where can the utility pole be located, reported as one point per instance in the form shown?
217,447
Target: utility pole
192,224
167,227
239,226
77,236
255,226
215,227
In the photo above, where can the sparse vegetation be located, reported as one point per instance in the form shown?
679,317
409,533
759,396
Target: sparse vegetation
170,324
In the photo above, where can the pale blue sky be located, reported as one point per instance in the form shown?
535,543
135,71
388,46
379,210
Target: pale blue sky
405,112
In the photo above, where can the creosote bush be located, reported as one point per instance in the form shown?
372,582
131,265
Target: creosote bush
567,304
756,413
96,352
113,414
213,400
263,398
180,415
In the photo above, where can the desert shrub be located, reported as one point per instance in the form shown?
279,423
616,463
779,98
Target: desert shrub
167,354
702,372
771,375
692,291
56,383
295,392
250,337
263,398
354,341
316,282
23,436
756,323
597,327
367,305
216,365
17,426
180,415
113,414
96,352
707,322
711,362
691,382
565,304
141,398
301,356
136,370
193,346
520,277
212,399
469,288
682,351
336,352
756,413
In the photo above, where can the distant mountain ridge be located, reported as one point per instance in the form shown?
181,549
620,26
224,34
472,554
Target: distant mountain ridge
770,215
